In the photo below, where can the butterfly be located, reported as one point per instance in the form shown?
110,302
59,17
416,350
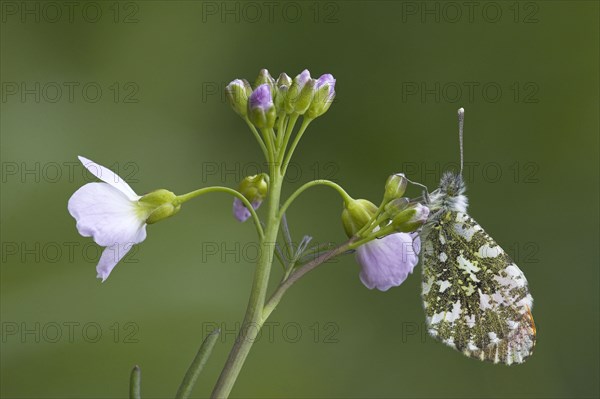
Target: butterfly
476,299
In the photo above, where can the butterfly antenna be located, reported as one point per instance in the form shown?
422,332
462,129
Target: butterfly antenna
461,123
424,187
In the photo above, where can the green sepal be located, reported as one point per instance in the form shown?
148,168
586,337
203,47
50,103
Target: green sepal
357,214
282,84
410,219
305,98
237,94
403,217
321,102
261,118
159,205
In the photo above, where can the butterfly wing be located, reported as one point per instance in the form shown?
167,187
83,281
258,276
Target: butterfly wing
476,299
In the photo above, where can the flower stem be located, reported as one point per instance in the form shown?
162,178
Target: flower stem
313,183
258,308
291,122
260,141
377,219
372,236
281,131
268,137
288,156
254,319
196,193
298,273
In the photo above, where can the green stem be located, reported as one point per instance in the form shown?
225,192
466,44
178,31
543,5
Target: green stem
298,273
254,319
260,141
185,389
379,233
280,131
288,134
375,220
258,309
313,183
268,136
186,197
305,122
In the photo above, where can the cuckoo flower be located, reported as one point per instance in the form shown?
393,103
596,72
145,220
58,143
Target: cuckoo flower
254,188
114,215
386,262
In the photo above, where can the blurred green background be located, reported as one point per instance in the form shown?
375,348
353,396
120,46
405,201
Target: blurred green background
137,86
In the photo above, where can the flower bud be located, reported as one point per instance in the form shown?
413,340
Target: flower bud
283,80
395,186
261,110
396,206
356,215
323,97
305,98
255,189
300,93
159,205
411,218
282,86
237,93
264,77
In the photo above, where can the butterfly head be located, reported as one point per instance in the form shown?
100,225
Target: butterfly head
450,195
452,184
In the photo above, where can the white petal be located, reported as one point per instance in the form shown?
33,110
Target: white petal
386,262
110,257
110,177
106,214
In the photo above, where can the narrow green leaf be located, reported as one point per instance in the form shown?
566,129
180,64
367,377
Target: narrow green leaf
185,389
287,236
135,381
